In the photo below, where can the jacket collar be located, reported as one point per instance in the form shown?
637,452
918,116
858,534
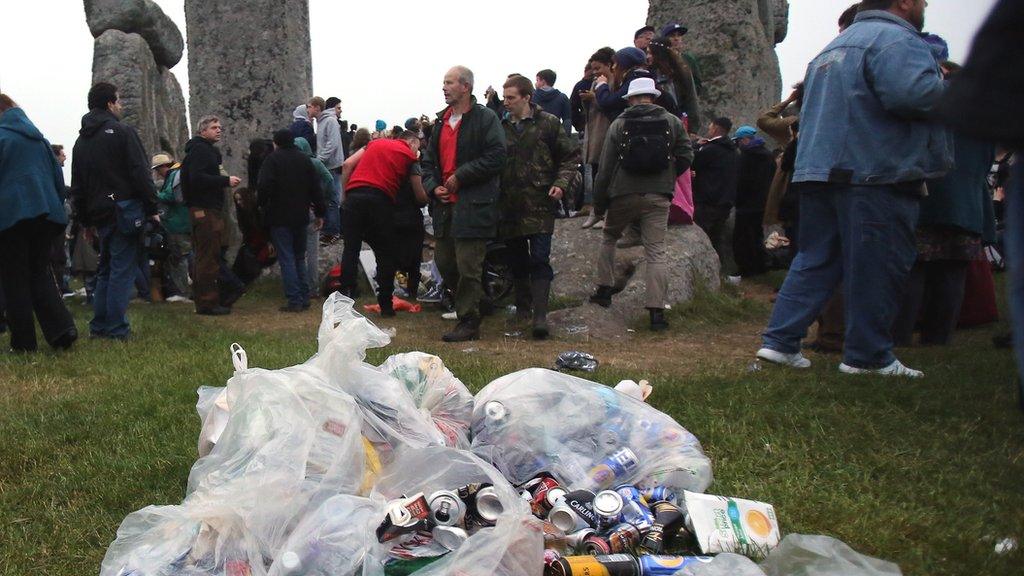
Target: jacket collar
535,111
472,100
888,16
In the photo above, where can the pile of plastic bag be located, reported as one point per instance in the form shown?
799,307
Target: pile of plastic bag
337,467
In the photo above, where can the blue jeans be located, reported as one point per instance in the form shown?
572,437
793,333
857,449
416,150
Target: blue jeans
115,280
1013,240
862,236
332,219
530,257
290,243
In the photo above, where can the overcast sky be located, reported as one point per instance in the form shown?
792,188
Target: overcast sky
386,58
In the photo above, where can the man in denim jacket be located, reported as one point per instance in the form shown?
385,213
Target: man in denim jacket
866,147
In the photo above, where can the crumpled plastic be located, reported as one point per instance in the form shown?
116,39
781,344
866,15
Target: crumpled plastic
513,547
332,540
798,555
564,425
437,392
576,360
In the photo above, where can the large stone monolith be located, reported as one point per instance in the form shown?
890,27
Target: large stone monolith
142,17
734,43
250,66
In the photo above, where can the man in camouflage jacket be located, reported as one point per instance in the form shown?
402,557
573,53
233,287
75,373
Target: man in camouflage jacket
541,161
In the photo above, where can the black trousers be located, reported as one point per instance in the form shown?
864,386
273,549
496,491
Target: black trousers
409,255
28,284
747,246
368,216
934,294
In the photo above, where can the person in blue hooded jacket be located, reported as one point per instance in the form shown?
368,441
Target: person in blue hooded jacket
31,216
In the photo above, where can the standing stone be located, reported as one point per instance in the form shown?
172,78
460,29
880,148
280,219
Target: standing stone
250,67
734,43
142,17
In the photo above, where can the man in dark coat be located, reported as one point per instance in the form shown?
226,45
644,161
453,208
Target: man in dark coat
288,187
114,194
551,100
460,174
756,171
302,126
215,287
715,167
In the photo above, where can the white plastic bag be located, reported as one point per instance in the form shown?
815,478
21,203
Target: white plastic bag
437,392
587,435
332,540
806,555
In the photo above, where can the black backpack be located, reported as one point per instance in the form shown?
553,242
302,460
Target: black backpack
646,146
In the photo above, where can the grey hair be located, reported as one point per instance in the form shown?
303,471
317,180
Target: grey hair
465,75
205,122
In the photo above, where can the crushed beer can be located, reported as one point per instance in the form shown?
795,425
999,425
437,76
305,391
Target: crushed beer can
624,538
446,508
604,565
658,493
668,519
404,516
451,537
616,466
651,565
576,360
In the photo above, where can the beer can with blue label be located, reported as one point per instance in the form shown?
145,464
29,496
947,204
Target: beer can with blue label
668,565
617,466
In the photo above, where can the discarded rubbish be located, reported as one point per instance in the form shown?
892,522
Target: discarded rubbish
336,467
576,361
1006,545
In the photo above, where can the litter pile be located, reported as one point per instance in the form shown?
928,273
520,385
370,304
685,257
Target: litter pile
337,467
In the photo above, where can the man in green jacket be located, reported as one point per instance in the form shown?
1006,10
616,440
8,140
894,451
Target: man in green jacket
542,160
461,167
645,150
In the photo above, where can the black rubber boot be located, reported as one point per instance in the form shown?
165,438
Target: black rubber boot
466,330
603,296
524,299
658,320
541,289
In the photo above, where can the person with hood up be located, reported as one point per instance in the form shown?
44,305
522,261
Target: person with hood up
214,286
551,100
329,150
312,242
31,216
302,127
647,149
714,186
754,178
288,188
114,195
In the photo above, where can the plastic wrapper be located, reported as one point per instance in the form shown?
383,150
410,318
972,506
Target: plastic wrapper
801,554
437,392
514,546
330,541
213,413
724,565
587,435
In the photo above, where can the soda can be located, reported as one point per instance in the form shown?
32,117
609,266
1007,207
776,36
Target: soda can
659,493
608,506
668,518
446,508
619,465
606,565
495,413
554,495
488,505
564,517
638,515
630,493
451,537
596,545
582,503
575,540
668,565
539,491
624,538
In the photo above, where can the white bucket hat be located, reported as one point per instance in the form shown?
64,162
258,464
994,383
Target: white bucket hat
642,86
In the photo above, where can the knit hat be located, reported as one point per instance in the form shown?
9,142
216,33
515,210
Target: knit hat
630,57
381,125
745,132
410,124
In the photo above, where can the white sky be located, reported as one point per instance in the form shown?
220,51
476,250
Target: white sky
385,59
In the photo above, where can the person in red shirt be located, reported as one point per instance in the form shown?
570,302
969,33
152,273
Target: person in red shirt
371,178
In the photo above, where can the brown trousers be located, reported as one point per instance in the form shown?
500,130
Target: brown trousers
209,239
650,211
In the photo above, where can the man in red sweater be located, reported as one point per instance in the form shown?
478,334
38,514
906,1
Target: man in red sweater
371,178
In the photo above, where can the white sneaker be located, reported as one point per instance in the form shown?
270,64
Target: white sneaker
179,298
796,360
598,226
734,280
895,369
591,220
450,316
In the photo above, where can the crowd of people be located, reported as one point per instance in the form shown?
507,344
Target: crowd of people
877,208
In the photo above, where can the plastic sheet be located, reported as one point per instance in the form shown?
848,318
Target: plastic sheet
587,435
806,555
437,392
332,540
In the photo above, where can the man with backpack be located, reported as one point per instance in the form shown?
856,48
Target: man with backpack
646,149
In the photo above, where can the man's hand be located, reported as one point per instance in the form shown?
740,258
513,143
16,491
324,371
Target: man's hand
587,95
793,96
318,223
602,79
234,181
452,184
443,194
555,193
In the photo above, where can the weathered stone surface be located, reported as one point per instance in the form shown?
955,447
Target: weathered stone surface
151,98
574,254
734,42
249,67
142,17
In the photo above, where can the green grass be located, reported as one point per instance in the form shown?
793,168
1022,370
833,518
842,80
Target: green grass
928,474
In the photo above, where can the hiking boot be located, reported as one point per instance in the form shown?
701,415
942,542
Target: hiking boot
524,299
603,296
796,360
658,320
895,369
466,330
541,292
215,311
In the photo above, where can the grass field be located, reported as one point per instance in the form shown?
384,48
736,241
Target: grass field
928,474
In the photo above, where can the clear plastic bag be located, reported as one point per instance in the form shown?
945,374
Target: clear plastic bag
806,555
437,392
589,436
332,540
514,546
723,565
212,407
